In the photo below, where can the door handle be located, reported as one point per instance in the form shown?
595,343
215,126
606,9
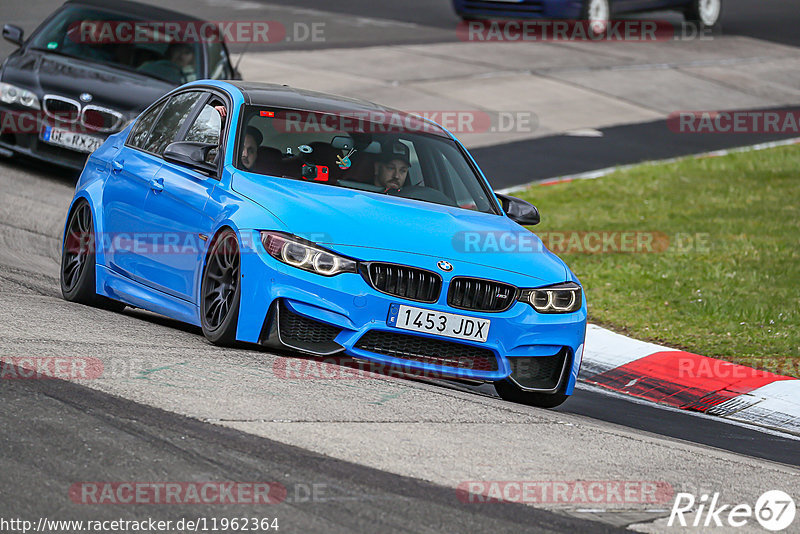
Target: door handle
157,184
116,166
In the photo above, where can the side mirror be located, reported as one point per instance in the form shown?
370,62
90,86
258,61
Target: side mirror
519,211
191,154
342,142
13,34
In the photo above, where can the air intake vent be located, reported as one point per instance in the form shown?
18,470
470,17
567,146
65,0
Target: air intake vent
305,334
540,372
427,350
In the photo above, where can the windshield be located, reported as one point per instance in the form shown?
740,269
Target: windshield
104,37
388,153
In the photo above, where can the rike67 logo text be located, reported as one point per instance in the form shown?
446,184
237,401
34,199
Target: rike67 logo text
774,510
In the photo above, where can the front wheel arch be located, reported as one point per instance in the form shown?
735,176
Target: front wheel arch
221,331
83,287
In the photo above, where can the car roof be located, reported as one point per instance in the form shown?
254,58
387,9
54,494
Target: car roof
284,96
144,11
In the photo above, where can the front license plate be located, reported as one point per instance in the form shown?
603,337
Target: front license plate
439,323
74,140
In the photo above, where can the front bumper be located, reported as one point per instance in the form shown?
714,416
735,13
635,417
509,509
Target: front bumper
357,315
20,135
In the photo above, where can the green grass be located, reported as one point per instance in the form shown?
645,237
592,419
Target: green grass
737,296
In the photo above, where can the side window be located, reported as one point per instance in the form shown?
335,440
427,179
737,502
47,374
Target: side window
141,129
175,112
207,128
219,66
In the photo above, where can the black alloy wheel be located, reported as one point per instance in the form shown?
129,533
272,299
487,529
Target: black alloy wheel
78,261
221,286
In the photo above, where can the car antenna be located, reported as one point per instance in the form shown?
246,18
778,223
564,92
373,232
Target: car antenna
246,46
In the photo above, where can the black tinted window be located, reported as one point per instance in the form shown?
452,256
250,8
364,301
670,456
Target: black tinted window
141,129
394,154
93,34
175,112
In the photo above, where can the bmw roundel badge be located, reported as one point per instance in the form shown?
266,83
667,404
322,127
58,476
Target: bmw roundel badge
446,266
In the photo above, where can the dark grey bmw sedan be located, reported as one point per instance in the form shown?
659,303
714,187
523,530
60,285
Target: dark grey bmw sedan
93,66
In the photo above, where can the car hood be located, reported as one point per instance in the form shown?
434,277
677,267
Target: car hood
114,88
342,218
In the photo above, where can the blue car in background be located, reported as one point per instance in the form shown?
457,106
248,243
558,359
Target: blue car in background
329,226
704,13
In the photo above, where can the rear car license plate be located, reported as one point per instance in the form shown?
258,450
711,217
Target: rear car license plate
439,323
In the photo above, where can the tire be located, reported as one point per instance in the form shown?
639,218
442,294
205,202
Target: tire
706,14
597,13
511,392
220,290
77,273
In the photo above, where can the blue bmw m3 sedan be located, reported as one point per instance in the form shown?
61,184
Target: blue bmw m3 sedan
324,225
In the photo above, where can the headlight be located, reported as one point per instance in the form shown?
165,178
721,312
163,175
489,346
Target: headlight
11,94
304,255
561,298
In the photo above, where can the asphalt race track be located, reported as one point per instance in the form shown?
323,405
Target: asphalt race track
370,455
81,434
522,162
